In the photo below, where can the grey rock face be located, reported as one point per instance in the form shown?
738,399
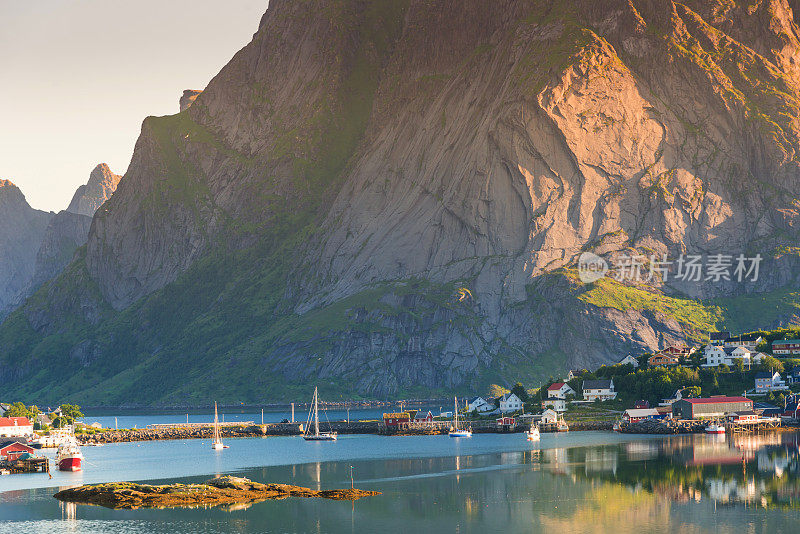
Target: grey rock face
88,198
188,97
66,233
22,229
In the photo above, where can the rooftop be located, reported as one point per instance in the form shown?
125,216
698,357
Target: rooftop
721,398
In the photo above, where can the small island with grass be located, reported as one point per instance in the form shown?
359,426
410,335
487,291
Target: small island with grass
223,490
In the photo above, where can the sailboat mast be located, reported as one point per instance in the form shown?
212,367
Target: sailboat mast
455,412
316,413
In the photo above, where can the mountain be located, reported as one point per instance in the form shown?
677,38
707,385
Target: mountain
391,197
37,245
101,185
21,231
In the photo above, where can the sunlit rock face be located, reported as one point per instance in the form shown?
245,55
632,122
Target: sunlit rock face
384,156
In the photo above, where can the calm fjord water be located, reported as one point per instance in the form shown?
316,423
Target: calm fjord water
575,482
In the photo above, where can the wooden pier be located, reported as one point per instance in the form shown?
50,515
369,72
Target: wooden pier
37,464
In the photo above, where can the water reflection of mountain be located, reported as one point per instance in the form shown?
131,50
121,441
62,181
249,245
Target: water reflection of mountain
761,470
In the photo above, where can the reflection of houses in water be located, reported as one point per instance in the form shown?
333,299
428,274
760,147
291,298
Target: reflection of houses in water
774,461
725,491
601,459
715,451
557,460
641,450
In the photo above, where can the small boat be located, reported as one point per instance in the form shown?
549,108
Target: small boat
561,425
456,432
5,472
69,456
715,428
216,442
533,433
317,435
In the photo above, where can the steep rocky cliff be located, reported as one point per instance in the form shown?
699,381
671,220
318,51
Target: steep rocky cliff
21,231
390,197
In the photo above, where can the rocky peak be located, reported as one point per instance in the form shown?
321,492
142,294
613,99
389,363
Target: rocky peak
188,98
102,183
11,195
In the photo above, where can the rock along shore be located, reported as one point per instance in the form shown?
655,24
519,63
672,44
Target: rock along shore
224,490
292,429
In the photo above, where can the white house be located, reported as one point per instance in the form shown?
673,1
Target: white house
480,405
766,381
549,417
678,395
629,360
599,390
4,408
749,341
510,403
717,355
559,405
559,390
15,427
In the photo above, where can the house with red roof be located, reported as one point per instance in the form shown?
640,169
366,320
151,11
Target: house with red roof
14,427
559,390
12,449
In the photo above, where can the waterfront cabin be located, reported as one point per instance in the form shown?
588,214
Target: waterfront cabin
786,346
510,403
394,420
424,418
549,417
13,427
559,390
10,450
711,407
598,390
640,414
743,417
629,360
766,381
506,422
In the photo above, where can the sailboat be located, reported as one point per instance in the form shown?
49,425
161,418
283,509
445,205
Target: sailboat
317,435
216,443
455,432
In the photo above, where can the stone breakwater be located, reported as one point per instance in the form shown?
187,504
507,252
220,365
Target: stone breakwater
180,432
295,429
650,426
223,490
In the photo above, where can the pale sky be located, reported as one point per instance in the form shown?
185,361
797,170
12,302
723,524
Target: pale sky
77,77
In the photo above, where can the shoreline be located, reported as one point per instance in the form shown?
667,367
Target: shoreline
291,429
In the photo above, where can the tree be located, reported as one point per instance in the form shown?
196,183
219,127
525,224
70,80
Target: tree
519,391
772,364
17,409
738,365
691,392
69,413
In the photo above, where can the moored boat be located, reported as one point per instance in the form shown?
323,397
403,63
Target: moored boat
715,428
317,435
533,433
216,442
457,432
69,456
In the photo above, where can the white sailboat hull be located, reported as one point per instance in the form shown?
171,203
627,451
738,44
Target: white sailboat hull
323,436
460,434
